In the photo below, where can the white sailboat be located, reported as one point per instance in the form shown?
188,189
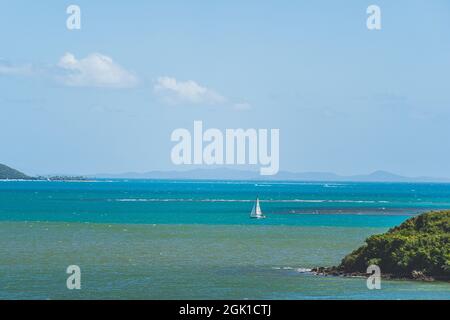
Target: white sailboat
256,211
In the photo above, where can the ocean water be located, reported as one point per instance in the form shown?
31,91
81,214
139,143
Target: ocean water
194,240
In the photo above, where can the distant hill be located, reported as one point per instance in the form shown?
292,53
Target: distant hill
417,249
228,174
233,174
10,173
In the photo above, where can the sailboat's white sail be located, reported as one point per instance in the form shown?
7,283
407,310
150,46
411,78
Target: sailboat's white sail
256,211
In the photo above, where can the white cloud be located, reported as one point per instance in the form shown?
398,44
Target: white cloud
96,70
175,92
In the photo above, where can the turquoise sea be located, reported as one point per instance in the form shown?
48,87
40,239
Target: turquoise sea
194,240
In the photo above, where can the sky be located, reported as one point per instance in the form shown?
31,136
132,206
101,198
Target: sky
106,98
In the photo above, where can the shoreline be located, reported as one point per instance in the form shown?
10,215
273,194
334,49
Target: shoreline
415,276
47,180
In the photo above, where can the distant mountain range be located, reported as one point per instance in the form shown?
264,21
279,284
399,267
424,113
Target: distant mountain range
230,174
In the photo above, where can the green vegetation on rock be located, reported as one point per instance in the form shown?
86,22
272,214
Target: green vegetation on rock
10,173
419,248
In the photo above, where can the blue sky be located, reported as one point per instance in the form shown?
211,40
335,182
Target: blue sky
346,99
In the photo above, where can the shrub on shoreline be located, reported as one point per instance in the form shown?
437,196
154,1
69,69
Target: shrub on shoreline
418,248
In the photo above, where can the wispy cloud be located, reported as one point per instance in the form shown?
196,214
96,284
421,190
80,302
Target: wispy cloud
96,70
9,69
99,70
173,91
